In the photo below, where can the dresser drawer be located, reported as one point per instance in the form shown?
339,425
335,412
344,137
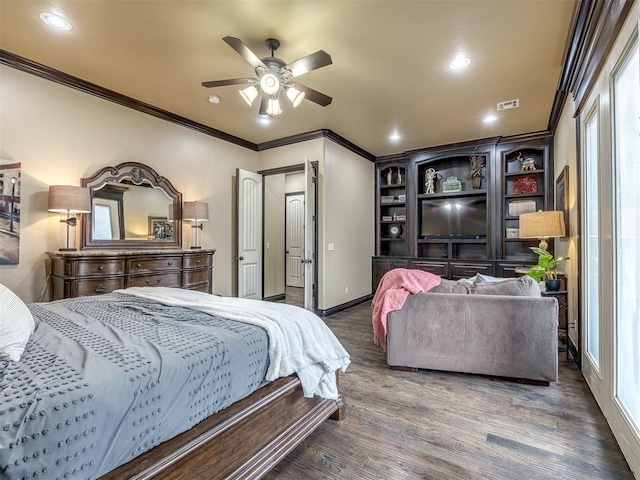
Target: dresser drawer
440,269
466,271
143,265
160,280
192,261
87,268
195,277
99,286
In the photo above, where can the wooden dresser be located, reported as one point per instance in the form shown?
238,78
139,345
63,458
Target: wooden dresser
94,272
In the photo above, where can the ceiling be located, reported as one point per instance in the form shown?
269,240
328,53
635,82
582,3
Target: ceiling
389,73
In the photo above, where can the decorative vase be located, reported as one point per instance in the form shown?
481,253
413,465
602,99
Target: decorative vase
476,180
552,285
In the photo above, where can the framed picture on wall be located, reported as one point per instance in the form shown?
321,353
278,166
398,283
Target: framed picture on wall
562,197
160,228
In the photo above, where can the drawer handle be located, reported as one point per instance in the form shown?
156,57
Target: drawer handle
100,288
198,261
150,283
169,263
470,271
101,267
138,265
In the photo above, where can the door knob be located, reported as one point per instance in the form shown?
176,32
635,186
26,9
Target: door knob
240,259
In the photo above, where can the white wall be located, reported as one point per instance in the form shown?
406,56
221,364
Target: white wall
565,154
348,224
61,135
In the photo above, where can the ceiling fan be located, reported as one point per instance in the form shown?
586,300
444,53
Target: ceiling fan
274,76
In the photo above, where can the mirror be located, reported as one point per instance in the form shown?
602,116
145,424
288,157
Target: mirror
132,207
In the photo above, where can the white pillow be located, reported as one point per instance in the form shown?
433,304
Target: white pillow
16,325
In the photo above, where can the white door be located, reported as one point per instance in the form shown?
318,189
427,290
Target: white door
310,174
294,241
249,266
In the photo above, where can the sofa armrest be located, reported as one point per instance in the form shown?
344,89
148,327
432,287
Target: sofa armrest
510,336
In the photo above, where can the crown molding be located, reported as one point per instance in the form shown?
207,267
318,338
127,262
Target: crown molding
34,68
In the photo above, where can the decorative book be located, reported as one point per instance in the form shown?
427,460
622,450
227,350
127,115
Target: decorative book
525,184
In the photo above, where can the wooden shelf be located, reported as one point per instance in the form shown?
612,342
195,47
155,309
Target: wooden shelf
462,194
522,174
524,195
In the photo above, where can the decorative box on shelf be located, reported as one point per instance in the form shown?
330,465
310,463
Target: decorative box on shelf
402,198
386,199
518,207
527,184
387,218
401,218
513,233
451,184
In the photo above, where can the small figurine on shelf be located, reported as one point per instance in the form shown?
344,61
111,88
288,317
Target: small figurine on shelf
389,178
399,177
430,177
527,164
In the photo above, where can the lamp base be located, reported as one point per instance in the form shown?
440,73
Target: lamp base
68,249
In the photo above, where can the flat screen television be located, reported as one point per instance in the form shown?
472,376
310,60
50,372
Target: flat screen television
454,217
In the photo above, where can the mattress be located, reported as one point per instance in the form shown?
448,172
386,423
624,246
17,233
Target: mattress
104,379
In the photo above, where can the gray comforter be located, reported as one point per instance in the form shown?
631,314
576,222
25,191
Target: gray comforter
103,379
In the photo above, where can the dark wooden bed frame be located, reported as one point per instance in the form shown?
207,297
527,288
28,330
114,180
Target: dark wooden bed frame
244,441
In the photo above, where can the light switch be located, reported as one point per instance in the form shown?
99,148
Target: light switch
268,245
331,247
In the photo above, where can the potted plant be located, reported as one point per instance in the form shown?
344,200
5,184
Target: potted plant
546,269
476,169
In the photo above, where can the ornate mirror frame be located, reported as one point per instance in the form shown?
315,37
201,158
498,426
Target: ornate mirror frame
137,174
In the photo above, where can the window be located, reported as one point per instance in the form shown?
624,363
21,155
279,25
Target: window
626,141
592,241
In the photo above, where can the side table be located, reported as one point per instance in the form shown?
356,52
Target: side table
563,313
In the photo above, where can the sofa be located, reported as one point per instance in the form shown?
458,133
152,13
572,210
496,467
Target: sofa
503,328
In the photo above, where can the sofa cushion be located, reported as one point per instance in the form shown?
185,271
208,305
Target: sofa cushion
480,278
450,286
521,286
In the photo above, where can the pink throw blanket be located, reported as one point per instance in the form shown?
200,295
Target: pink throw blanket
394,288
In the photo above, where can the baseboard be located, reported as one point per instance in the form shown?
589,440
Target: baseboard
275,298
574,353
344,306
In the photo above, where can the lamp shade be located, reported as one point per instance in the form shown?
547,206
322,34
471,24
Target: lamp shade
195,211
542,224
295,95
67,198
249,94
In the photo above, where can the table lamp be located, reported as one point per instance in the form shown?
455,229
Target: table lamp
196,212
70,200
543,226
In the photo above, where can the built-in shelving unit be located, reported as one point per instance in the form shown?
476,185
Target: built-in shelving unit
431,215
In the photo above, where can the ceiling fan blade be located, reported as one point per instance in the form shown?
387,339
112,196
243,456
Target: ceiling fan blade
310,62
264,103
239,46
314,95
231,81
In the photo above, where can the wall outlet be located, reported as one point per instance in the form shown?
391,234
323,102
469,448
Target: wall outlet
331,247
268,245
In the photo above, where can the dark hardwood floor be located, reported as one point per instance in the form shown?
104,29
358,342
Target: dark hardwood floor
437,425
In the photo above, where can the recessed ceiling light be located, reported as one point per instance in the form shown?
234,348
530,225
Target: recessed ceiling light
55,21
395,136
264,119
459,63
489,119
214,98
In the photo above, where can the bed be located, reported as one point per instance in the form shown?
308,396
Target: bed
164,383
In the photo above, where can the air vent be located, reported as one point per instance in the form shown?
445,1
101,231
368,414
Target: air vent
509,104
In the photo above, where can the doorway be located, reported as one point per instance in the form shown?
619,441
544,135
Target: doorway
289,263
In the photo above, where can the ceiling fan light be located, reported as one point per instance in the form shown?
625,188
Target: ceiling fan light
273,108
269,83
295,95
249,94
